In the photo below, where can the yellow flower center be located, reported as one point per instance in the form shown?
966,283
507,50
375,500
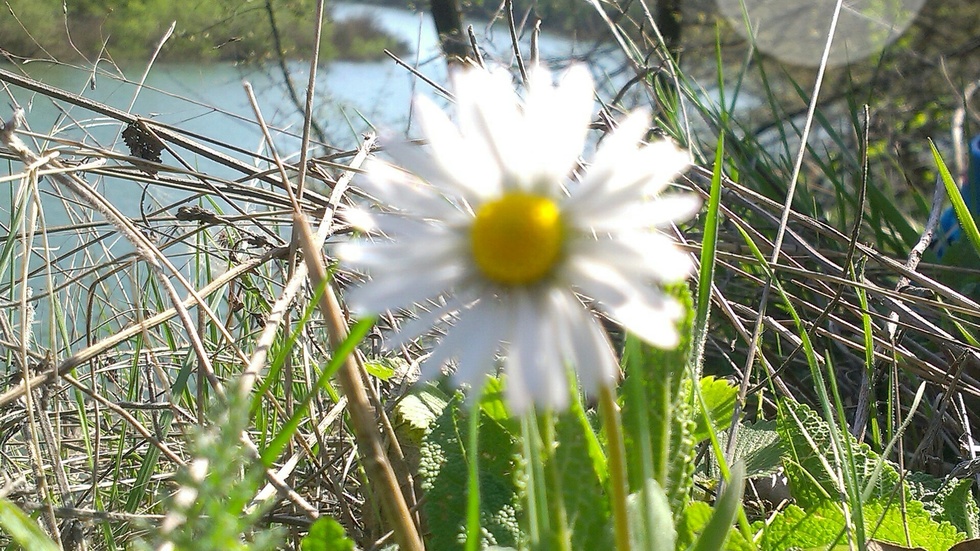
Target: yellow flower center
517,239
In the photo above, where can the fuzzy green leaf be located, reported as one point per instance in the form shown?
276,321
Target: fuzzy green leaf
823,525
657,416
586,505
953,502
719,397
758,446
651,521
443,478
421,408
807,443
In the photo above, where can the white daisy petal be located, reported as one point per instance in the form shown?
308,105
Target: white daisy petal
390,225
434,366
641,255
584,342
565,111
424,322
594,356
636,174
597,279
645,175
394,186
614,151
645,311
358,217
651,316
393,256
659,212
526,383
391,292
459,163
624,138
549,356
676,207
489,115
477,359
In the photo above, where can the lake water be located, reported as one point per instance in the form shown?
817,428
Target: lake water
209,99
352,97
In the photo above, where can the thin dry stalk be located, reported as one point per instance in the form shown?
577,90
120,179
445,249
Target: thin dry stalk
376,464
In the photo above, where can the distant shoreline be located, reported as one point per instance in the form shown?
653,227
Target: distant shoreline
201,33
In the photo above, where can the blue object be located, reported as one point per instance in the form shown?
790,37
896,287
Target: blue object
949,230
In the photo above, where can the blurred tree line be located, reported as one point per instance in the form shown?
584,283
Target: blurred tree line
226,30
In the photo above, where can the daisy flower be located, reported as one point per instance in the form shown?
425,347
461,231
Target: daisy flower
489,223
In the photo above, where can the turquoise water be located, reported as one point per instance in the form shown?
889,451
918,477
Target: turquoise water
352,98
208,100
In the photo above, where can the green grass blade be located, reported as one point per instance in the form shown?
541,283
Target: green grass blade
278,443
22,529
708,251
963,214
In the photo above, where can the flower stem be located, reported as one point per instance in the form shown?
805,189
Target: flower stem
560,536
535,494
617,465
473,480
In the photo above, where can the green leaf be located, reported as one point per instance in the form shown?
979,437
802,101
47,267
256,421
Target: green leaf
706,275
383,368
657,416
22,529
443,477
682,456
494,406
326,534
693,521
421,408
584,497
959,506
794,527
758,446
651,521
806,442
948,500
963,214
823,525
925,532
719,396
